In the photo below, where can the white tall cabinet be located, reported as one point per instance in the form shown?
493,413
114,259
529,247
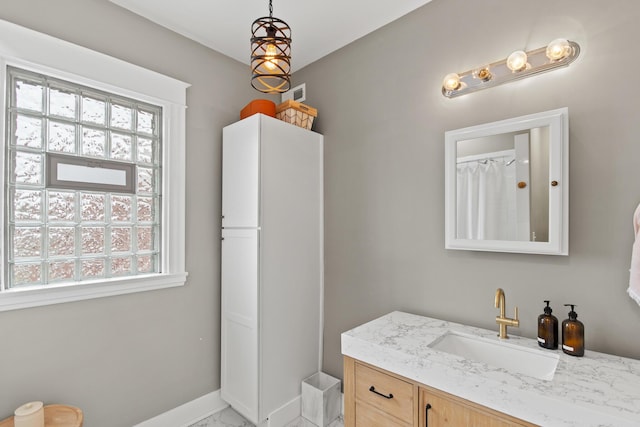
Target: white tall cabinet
272,263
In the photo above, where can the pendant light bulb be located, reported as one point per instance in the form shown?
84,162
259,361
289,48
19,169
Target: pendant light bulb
270,61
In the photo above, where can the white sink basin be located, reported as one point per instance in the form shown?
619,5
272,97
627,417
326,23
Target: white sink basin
500,354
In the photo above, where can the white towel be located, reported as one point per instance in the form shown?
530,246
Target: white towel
634,280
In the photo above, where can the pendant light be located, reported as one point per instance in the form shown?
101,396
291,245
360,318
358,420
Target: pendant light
270,54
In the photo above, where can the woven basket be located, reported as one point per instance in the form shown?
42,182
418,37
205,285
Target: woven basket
296,113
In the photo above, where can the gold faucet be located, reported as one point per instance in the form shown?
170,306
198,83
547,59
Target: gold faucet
502,320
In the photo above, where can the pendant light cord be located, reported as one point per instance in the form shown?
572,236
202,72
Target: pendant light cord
270,9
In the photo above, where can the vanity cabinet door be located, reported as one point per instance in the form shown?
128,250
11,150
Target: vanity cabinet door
438,409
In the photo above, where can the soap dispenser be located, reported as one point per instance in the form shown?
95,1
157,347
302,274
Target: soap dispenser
548,329
573,334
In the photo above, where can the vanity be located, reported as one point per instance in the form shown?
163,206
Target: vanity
404,370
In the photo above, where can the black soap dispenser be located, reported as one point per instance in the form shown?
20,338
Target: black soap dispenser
548,329
573,334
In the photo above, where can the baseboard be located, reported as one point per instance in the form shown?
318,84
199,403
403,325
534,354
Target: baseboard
286,413
189,413
204,406
291,411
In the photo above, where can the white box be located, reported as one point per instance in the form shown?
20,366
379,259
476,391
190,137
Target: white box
321,399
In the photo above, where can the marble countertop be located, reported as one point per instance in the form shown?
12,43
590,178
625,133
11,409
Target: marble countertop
595,390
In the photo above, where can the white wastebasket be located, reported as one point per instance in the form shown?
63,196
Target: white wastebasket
321,399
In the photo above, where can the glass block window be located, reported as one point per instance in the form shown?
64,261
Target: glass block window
74,232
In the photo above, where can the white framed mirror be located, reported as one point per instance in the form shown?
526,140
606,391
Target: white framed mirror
507,185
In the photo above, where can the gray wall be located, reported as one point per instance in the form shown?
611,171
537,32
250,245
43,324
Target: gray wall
126,359
384,118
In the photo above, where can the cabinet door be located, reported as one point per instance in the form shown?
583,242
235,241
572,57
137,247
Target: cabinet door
437,409
240,173
239,329
290,260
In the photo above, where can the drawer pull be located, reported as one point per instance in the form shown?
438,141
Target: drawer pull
426,415
373,390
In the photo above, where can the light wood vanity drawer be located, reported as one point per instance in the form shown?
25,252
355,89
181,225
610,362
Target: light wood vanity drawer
384,392
367,416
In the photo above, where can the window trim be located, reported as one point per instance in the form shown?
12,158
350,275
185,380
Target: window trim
44,54
53,180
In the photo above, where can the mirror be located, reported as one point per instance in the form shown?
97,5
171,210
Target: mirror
506,185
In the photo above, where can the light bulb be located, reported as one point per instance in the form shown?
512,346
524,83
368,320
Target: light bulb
451,82
483,73
270,61
517,61
558,49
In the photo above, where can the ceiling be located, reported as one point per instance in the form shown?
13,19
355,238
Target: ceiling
318,27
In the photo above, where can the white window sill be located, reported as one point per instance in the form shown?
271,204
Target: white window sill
18,298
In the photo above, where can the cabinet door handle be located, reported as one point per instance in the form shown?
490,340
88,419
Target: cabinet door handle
426,415
373,390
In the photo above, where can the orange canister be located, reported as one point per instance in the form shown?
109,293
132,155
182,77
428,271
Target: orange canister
264,106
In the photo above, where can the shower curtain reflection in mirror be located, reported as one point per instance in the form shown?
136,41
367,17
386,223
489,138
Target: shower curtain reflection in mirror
487,205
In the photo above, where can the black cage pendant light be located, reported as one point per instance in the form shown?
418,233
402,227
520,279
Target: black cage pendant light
270,54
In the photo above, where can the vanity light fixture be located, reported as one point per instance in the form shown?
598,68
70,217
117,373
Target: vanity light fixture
518,65
270,54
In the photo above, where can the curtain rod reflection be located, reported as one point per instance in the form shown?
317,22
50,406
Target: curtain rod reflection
485,161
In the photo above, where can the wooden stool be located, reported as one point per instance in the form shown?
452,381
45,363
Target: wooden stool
56,416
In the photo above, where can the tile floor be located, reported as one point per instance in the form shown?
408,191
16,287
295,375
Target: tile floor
230,418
